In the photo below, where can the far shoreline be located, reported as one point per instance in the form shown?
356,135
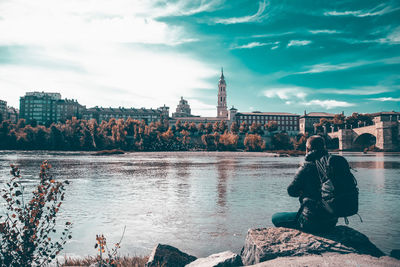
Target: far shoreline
269,153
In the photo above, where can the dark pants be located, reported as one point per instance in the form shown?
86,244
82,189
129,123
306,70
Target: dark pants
285,219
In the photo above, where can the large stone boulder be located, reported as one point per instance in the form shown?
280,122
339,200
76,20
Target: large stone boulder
270,243
332,260
395,253
168,256
223,259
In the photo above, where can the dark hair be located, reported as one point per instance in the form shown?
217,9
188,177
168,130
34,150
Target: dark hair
316,143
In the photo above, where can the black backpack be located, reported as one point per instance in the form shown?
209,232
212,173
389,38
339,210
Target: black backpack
339,190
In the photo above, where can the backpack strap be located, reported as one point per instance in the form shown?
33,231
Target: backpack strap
322,170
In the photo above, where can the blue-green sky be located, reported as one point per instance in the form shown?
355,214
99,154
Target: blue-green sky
277,55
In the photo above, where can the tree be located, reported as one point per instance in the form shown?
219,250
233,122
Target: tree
192,128
209,142
28,229
244,128
222,126
254,142
33,123
216,126
255,128
272,126
201,127
299,142
178,125
234,128
209,128
282,141
228,141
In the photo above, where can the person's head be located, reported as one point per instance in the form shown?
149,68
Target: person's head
315,143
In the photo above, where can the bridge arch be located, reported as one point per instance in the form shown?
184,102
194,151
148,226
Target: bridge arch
363,141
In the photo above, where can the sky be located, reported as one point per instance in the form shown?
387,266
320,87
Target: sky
277,55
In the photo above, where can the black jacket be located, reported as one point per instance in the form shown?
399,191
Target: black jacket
306,185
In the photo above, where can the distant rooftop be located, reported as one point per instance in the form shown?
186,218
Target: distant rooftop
268,113
385,113
122,110
56,96
319,114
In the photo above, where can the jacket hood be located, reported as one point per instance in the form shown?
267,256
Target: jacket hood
315,155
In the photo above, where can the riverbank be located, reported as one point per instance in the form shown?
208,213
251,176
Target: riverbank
273,246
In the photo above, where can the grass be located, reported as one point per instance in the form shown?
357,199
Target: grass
121,261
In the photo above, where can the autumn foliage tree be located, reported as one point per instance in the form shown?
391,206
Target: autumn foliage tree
254,142
228,141
28,232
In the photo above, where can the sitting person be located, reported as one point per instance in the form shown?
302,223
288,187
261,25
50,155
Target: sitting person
312,216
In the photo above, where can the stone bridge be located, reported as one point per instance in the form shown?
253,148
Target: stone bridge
387,134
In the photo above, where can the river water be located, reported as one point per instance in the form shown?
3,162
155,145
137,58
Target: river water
200,202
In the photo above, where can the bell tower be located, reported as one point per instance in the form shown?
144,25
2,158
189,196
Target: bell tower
222,110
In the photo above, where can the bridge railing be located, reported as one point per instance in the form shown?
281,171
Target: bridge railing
337,127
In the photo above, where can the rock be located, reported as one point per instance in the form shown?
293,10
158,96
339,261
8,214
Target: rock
223,259
269,243
168,256
395,253
332,259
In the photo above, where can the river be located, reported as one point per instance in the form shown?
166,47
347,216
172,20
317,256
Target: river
200,202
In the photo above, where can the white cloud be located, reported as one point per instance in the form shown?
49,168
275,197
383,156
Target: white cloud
286,93
328,104
324,31
274,47
381,9
251,18
365,90
298,43
42,22
98,52
111,76
324,67
272,35
386,99
392,38
251,45
185,8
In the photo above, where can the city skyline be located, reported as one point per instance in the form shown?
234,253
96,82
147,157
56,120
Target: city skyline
277,56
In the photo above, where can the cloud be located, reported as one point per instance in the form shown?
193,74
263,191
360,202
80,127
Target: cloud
274,47
186,8
386,99
267,35
298,43
286,93
130,78
328,104
254,44
325,67
324,31
365,90
251,18
392,38
75,22
377,11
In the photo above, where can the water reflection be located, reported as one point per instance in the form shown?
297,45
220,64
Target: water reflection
183,173
376,164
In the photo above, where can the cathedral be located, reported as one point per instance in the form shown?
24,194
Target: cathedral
183,111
